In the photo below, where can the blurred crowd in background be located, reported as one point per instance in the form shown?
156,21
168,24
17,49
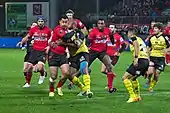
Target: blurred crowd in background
123,13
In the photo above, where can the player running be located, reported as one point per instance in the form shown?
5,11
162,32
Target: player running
158,45
114,50
138,67
99,37
58,58
40,35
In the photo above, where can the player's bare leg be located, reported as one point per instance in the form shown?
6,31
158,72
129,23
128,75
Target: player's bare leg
103,69
154,81
150,72
40,68
72,78
65,73
127,80
28,70
24,69
52,80
110,75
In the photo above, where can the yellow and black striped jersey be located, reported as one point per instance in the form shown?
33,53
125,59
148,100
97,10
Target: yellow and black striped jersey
157,43
142,47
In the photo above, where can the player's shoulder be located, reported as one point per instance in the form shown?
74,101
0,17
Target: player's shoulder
34,28
58,27
95,29
117,35
106,29
77,20
47,28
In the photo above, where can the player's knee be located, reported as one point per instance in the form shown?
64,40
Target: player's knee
84,67
109,67
39,67
51,79
29,67
125,76
65,73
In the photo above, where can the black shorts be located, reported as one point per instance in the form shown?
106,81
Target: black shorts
57,59
29,49
77,59
37,56
159,63
141,69
114,60
94,54
27,56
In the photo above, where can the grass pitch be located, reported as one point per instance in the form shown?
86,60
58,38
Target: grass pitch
15,99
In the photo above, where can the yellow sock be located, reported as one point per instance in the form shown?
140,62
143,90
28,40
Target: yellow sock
86,81
136,87
129,87
152,84
77,82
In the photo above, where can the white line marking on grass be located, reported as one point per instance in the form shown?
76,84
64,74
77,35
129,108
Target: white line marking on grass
166,94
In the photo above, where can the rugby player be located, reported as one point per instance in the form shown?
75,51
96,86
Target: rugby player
79,56
40,35
58,58
99,37
158,45
70,14
114,50
138,67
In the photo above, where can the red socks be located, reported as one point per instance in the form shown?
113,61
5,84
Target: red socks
28,77
110,79
60,84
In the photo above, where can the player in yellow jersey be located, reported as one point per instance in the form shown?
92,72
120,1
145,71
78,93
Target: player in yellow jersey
138,67
158,45
79,56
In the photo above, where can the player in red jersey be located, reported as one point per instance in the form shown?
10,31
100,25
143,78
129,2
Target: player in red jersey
151,31
40,34
58,58
166,32
80,25
99,37
114,50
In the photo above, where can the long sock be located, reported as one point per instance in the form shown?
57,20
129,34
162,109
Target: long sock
51,86
61,83
77,82
28,77
110,78
86,81
129,87
153,83
136,87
